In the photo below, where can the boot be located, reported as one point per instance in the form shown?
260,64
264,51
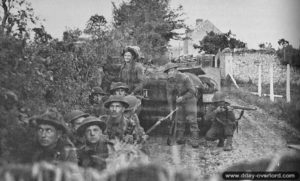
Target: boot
195,139
180,139
228,145
221,142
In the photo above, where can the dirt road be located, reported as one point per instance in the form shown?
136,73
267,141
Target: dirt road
260,135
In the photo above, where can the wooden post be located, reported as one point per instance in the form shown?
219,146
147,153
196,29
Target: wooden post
259,79
271,83
288,85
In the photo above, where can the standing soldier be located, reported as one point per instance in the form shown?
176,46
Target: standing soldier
51,146
223,122
120,127
182,94
132,72
97,99
74,120
95,150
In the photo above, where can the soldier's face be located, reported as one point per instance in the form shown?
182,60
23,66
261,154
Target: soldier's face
116,109
171,73
120,92
76,123
93,134
97,98
127,57
48,135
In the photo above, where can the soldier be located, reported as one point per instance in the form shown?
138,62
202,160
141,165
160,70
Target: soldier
223,122
134,108
74,119
119,88
120,127
182,93
51,146
132,72
97,99
95,150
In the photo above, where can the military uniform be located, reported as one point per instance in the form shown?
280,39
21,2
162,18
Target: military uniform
97,108
124,129
63,151
132,74
70,118
182,86
223,124
93,154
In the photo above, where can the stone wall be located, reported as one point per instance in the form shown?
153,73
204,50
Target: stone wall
245,68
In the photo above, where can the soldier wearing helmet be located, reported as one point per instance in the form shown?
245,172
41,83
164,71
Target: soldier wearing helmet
132,72
74,119
97,99
223,122
181,93
119,88
95,150
119,126
51,144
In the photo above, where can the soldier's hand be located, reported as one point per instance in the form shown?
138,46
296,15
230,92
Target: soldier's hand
220,109
179,99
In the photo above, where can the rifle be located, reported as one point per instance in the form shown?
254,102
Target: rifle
160,121
242,107
228,106
172,132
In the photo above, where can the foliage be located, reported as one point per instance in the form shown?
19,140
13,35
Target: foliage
288,54
147,24
41,36
265,45
17,16
213,42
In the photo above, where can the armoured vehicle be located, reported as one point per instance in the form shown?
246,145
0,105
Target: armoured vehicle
154,101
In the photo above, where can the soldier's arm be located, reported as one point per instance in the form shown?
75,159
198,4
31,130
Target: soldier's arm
211,115
191,91
140,77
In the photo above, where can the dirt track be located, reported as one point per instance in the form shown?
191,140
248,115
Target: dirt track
260,135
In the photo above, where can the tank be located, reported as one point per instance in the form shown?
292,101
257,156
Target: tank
154,101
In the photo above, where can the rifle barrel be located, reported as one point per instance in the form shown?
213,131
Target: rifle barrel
242,107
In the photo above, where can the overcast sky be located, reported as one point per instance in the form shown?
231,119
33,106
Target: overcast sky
253,21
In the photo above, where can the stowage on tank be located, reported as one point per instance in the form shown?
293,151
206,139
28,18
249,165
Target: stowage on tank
154,99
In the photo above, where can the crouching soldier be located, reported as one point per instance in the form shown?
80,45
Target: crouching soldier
97,99
51,144
182,94
95,150
74,119
120,127
223,122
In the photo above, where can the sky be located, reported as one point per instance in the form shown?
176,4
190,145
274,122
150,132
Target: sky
253,21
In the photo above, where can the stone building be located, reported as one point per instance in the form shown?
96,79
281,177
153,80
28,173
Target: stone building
197,33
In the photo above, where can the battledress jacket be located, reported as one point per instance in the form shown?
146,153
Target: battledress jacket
94,155
132,77
223,123
180,85
122,127
63,151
